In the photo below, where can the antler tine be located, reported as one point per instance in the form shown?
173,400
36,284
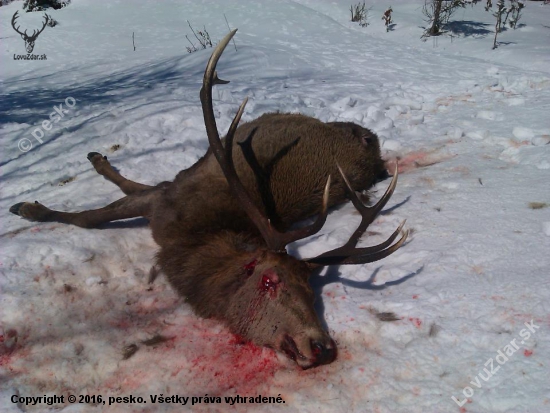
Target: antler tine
376,256
279,240
232,129
291,236
274,239
362,255
218,81
368,213
13,19
46,19
224,155
348,253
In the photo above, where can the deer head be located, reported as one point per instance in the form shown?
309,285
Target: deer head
29,40
274,307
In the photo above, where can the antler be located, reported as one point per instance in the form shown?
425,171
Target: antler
13,19
348,253
275,240
35,33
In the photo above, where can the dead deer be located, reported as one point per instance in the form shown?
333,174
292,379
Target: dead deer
223,224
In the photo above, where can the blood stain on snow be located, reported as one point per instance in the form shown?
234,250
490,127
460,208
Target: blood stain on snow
418,159
416,321
228,363
5,359
528,353
516,144
206,358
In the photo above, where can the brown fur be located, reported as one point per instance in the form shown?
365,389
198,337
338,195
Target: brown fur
213,252
206,239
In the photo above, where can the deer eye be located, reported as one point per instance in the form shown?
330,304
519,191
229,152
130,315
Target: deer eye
250,267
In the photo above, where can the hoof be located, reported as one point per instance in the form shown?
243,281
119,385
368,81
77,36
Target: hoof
32,211
15,208
92,154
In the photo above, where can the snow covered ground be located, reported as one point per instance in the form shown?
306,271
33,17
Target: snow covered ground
470,124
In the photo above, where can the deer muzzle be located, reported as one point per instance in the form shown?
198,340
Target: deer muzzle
308,352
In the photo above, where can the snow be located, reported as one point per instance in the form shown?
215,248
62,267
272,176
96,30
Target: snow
470,125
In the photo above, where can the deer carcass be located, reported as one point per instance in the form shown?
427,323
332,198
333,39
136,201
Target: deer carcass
223,224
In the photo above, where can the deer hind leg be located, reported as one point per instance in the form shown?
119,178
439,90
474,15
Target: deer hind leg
104,168
131,206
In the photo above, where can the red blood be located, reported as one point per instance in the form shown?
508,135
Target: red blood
269,282
415,297
250,267
316,351
4,359
416,321
203,357
528,353
230,365
218,361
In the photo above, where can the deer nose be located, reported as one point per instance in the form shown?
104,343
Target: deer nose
324,353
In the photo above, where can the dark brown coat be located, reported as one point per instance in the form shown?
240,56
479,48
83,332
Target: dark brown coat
224,248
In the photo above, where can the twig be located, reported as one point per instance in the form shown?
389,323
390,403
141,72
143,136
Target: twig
197,37
229,28
133,42
191,49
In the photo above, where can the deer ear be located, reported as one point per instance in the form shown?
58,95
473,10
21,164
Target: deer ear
368,139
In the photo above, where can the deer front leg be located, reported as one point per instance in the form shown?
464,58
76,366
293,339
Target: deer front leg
131,206
104,168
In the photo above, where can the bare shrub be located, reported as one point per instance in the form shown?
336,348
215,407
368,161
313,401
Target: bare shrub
359,14
438,13
202,36
41,5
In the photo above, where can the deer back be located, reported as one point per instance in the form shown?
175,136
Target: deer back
296,154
